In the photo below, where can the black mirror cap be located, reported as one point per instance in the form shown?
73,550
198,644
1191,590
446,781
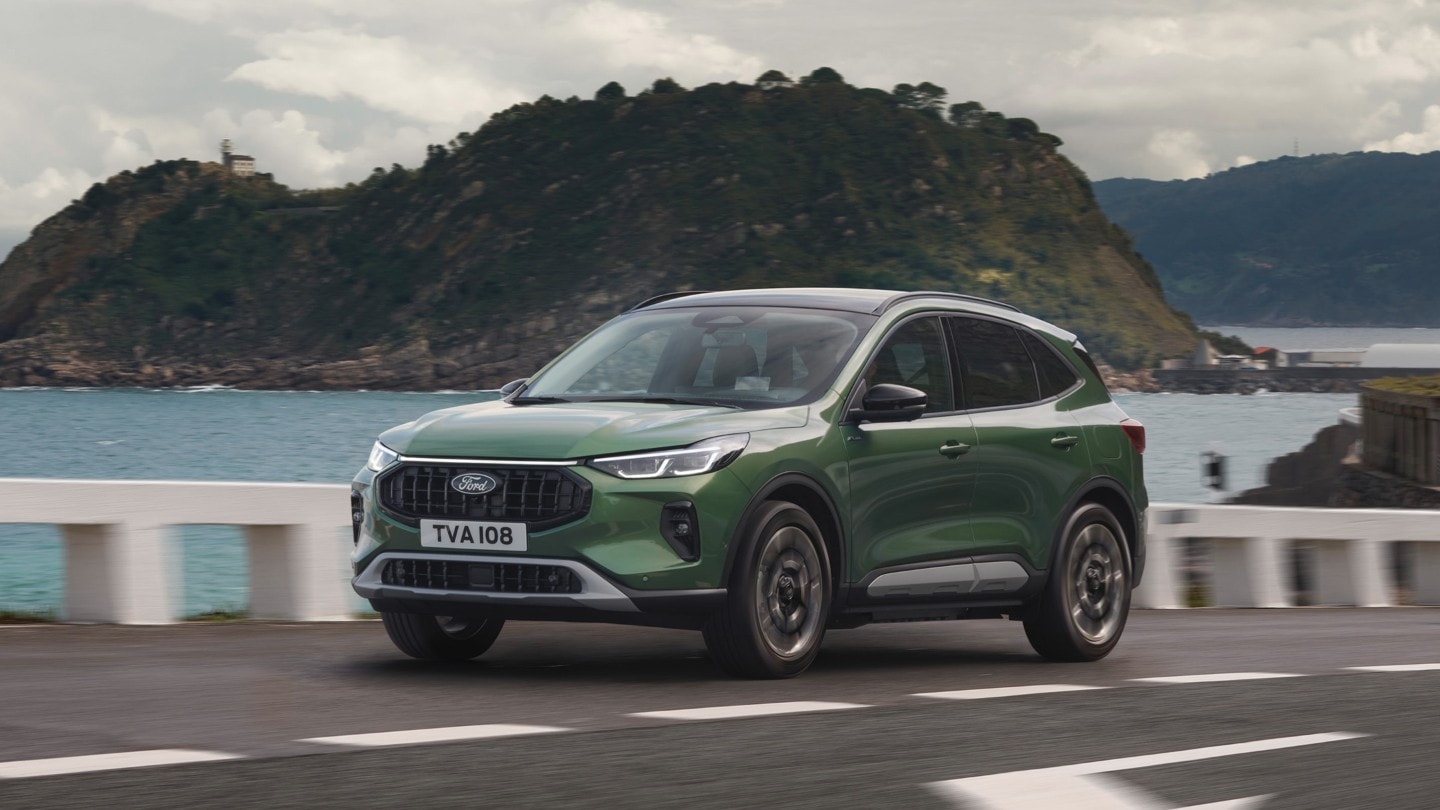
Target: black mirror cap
513,386
887,402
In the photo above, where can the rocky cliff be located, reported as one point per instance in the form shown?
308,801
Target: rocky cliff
510,242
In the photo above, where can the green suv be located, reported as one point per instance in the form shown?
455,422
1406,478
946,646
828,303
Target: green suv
764,465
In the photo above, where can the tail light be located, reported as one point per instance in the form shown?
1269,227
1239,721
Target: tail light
1135,432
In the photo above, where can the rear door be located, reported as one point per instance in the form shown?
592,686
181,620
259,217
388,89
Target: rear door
1030,454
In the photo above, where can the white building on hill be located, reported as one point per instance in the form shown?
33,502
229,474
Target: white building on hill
239,165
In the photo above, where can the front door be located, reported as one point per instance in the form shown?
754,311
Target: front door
911,483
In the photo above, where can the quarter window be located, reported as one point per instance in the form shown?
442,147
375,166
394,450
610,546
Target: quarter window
1055,375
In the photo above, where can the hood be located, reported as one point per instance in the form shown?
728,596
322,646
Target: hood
569,430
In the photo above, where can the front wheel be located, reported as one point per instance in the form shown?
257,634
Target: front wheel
779,598
1081,613
441,638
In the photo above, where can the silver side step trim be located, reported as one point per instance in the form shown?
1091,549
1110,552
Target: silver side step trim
596,592
955,579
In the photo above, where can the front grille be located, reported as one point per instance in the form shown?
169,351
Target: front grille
453,575
541,498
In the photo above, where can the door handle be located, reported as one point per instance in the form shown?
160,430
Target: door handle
1064,442
954,449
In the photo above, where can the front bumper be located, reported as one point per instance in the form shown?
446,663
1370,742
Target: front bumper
591,596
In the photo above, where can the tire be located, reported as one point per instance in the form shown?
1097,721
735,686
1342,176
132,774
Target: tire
441,638
1082,611
779,598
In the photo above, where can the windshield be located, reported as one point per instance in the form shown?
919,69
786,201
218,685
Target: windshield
738,356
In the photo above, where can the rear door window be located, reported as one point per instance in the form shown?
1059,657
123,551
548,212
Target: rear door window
995,366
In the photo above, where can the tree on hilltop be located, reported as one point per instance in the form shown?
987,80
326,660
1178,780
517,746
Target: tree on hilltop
665,86
823,75
610,92
925,97
773,78
967,115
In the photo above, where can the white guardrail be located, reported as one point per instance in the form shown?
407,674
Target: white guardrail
119,565
117,543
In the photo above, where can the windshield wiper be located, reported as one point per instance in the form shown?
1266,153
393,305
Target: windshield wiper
536,400
668,401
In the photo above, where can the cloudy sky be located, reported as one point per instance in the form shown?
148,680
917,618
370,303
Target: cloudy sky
322,91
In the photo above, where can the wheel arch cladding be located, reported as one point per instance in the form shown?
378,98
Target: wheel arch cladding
806,494
1111,497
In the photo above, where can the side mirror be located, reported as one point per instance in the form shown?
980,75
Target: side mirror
511,387
887,402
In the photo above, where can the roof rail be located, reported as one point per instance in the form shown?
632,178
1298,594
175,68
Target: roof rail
664,297
897,299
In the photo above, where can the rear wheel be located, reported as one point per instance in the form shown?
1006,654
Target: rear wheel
441,638
1082,611
778,601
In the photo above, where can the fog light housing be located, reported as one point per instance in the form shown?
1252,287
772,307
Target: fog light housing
680,527
357,515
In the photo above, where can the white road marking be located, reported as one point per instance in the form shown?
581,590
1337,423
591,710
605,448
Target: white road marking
749,710
434,735
1397,668
1218,677
1007,691
1083,786
108,762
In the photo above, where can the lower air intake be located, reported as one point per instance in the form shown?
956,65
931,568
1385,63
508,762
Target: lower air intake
453,575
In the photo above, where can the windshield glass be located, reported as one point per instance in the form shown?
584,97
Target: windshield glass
740,356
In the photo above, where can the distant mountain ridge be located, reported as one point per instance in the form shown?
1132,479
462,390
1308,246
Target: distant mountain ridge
510,242
1328,240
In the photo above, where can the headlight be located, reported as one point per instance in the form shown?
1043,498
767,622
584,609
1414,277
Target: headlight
381,457
703,457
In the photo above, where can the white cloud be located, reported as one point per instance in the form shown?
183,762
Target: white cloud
1181,152
628,37
1426,140
1379,122
22,206
293,147
422,82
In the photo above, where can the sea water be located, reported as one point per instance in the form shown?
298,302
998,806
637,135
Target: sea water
226,435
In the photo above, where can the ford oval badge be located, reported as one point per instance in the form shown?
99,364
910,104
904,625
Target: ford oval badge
473,484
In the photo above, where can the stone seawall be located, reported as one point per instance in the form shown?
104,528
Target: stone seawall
1297,380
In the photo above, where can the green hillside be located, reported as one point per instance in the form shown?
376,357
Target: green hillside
1326,240
509,242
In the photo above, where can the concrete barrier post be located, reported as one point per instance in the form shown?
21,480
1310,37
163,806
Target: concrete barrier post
1427,574
296,573
1249,572
1352,572
1159,588
117,572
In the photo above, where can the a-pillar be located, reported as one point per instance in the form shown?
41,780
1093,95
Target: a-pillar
117,573
297,573
1249,572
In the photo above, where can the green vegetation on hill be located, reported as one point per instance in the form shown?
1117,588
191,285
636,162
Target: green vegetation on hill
1325,240
511,241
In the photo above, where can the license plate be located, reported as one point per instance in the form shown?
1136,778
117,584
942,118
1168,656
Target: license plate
476,536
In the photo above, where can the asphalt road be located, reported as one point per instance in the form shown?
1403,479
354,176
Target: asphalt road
575,704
